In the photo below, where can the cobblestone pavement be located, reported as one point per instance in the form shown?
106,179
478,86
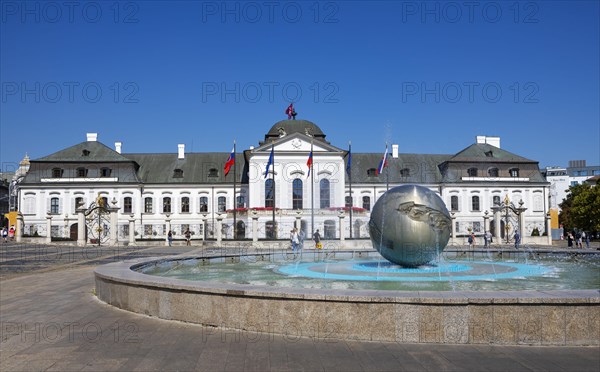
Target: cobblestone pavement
51,320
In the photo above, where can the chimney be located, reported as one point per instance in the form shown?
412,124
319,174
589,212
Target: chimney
118,147
395,151
490,140
181,151
92,137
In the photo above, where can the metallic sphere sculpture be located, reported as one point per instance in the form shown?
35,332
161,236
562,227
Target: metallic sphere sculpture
410,225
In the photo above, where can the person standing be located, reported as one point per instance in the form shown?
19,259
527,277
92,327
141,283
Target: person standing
586,238
486,239
471,241
317,239
294,239
569,240
188,237
5,235
11,233
170,238
517,239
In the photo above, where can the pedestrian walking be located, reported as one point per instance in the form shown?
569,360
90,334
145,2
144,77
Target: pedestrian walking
317,239
517,239
170,238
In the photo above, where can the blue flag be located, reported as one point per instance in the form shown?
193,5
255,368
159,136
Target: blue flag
269,162
349,165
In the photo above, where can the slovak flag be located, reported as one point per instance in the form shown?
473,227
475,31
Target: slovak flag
383,163
269,162
309,163
230,161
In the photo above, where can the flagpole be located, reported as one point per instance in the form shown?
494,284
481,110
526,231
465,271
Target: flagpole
387,171
312,192
234,193
273,170
350,181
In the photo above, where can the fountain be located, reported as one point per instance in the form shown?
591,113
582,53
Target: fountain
415,295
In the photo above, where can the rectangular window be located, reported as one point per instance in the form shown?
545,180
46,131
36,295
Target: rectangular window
148,205
127,205
367,203
166,205
203,204
222,203
185,205
148,230
454,203
54,205
477,226
348,202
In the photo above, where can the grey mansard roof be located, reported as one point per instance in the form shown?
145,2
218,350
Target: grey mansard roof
422,168
479,152
98,152
159,168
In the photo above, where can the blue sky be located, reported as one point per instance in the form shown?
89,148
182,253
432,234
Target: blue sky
427,75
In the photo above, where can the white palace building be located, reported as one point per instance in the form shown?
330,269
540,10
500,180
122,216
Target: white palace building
148,194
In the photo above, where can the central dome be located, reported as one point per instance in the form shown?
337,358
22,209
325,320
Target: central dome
295,126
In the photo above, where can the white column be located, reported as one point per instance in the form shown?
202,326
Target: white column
254,227
341,217
168,225
131,229
548,229
20,226
497,222
48,229
219,228
204,232
113,226
81,240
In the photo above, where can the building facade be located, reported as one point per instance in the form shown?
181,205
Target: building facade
156,192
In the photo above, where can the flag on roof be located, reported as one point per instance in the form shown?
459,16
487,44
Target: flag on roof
230,161
383,163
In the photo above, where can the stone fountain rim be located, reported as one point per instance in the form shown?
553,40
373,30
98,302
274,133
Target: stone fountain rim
124,272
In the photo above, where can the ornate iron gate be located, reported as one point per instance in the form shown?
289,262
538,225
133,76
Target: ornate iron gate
97,222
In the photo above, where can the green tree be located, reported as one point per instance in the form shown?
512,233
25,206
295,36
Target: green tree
581,208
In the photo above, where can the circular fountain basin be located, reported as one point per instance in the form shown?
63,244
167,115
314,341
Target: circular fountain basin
364,298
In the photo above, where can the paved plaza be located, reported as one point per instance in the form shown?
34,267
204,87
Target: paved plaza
51,320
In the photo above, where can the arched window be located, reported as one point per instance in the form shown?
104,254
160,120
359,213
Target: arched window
475,203
493,172
78,202
221,203
105,172
514,172
454,203
496,200
472,172
269,191
325,193
81,172
241,201
167,205
127,204
348,203
148,205
54,206
57,173
185,204
367,203
203,204
297,194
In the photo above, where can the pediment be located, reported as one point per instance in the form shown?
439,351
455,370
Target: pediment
297,142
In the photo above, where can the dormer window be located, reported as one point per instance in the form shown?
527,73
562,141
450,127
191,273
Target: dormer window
213,172
489,154
81,172
85,152
371,172
472,172
493,172
178,173
405,172
105,172
57,173
514,172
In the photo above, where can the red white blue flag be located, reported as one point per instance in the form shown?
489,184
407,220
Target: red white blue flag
230,161
383,163
270,161
309,162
